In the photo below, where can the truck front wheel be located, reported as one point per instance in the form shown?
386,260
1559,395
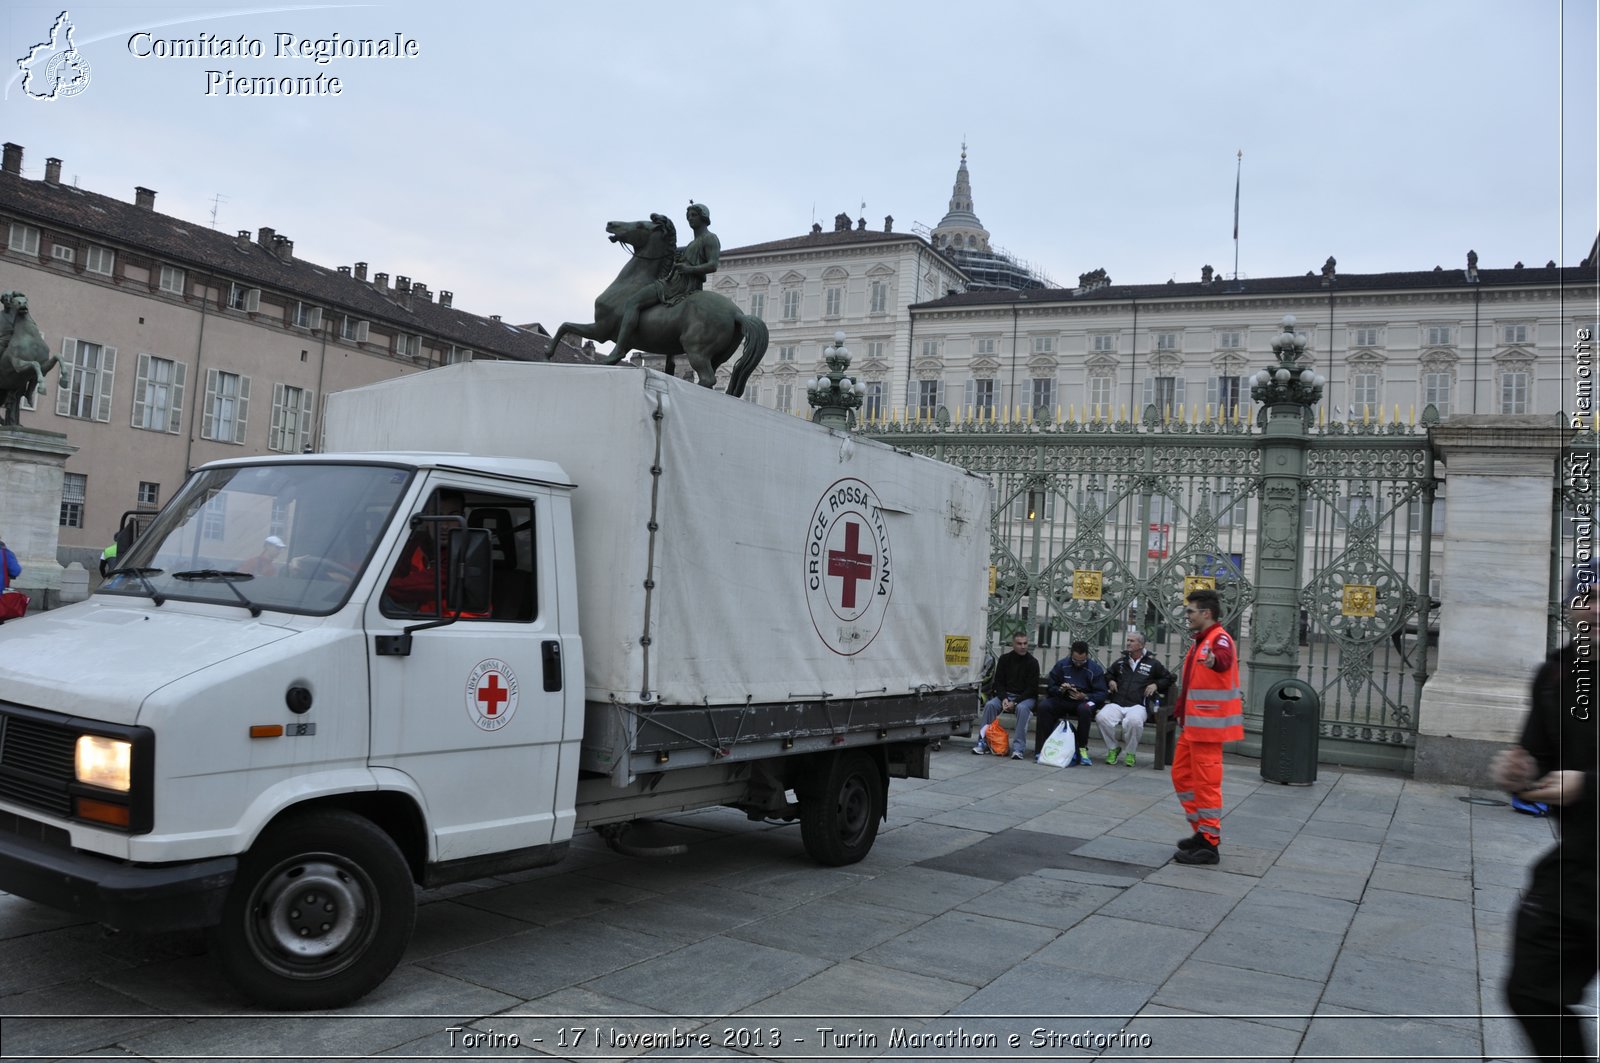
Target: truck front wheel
320,913
840,809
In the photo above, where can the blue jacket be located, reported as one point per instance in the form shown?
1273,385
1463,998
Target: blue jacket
9,566
1088,677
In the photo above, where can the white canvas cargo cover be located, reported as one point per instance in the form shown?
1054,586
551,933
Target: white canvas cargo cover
790,562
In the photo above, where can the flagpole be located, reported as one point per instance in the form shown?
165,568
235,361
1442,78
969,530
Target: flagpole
1237,173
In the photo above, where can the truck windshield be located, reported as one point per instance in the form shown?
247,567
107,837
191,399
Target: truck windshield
292,537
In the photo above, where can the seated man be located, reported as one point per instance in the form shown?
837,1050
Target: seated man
1013,689
1133,679
266,562
1075,688
418,578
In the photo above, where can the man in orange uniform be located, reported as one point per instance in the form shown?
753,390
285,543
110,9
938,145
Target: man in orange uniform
1212,710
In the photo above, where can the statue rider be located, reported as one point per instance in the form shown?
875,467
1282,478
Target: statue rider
690,267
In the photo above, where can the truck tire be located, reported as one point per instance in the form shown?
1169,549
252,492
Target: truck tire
840,809
347,871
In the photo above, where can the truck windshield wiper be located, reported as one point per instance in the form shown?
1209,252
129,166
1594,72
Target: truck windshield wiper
144,575
217,575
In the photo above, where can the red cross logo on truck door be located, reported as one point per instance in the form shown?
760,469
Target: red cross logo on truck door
491,694
847,569
850,564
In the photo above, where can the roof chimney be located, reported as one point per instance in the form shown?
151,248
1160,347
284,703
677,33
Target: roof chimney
283,248
422,289
381,280
242,240
264,235
402,284
447,298
494,317
142,197
888,223
361,271
344,271
12,161
52,171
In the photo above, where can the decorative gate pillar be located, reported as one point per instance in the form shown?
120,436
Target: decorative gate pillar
1496,588
1288,391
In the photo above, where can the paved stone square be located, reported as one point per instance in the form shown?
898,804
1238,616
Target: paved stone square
1365,917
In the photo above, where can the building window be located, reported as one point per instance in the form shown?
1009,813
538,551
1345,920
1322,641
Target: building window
1439,335
307,316
752,393
74,489
227,407
1165,393
408,345
158,394
1228,341
1100,396
833,301
786,352
353,329
1436,390
1514,391
1365,336
872,405
24,239
980,397
930,348
1363,392
1042,393
1436,522
291,420
985,345
929,396
785,399
758,305
1044,344
1105,344
880,298
791,304
172,280
1514,334
1223,394
63,253
100,260
87,391
875,349
242,298
457,355
1166,341
149,494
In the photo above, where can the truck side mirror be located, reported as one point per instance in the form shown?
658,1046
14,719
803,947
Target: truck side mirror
471,569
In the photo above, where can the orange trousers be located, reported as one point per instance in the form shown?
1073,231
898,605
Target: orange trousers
1197,778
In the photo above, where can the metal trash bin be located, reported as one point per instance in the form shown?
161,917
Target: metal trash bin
1289,733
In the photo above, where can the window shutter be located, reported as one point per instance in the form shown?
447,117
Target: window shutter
108,370
1213,392
971,397
315,320
65,377
208,421
275,435
1177,391
1149,391
252,300
141,381
244,409
307,404
361,332
180,372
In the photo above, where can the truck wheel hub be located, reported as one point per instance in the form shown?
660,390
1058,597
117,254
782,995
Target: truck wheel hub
312,909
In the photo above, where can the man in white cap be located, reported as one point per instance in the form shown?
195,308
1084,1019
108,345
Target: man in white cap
266,562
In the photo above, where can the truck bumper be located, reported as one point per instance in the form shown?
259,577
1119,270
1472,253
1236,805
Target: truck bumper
128,896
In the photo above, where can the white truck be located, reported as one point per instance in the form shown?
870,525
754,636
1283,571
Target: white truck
507,602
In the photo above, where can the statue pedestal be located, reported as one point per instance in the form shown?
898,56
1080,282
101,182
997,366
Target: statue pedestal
1500,471
32,464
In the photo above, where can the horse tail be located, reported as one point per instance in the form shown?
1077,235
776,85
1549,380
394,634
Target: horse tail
755,349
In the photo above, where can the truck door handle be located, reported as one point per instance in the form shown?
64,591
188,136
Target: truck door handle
552,665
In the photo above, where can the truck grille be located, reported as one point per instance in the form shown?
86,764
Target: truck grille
36,763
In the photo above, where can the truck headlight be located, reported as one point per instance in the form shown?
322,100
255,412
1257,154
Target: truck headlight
104,762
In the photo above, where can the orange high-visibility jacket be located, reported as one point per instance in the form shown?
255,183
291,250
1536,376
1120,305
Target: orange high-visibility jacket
1212,705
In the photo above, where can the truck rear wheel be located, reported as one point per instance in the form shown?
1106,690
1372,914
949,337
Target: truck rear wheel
840,810
320,913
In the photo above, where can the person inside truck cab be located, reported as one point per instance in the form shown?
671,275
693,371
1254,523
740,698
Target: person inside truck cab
412,585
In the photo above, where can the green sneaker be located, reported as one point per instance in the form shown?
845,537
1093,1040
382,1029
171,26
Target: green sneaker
1128,760
1083,753
1111,757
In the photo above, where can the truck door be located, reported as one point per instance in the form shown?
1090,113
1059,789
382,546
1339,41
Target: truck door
474,712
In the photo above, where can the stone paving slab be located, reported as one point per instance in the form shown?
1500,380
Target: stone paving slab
1366,916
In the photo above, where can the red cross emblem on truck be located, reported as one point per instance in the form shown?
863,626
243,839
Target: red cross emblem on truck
491,694
850,564
847,571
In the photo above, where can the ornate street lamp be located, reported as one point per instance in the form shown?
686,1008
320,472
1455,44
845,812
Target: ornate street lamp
1288,381
834,394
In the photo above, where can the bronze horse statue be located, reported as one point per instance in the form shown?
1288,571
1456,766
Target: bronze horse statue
704,327
25,357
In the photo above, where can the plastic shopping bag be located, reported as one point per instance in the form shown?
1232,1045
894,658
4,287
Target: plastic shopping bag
1058,748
